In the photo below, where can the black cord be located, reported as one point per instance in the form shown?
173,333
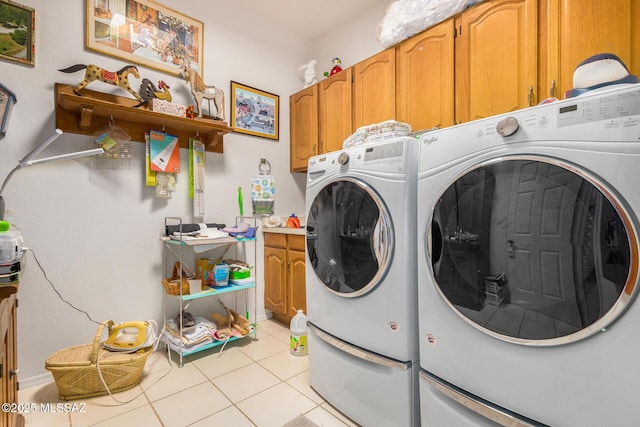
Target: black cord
44,273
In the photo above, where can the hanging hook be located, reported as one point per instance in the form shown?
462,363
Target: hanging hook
264,167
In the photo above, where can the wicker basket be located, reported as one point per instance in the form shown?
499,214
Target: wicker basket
172,284
75,369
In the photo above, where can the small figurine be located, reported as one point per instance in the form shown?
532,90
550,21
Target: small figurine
309,73
118,78
336,67
149,91
201,91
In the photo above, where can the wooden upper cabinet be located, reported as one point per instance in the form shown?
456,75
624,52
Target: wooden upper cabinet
336,122
578,29
374,89
303,116
424,78
496,58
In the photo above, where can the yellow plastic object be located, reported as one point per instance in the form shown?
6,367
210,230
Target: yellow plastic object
127,335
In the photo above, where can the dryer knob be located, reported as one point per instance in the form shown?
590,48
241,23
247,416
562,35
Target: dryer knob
343,158
507,126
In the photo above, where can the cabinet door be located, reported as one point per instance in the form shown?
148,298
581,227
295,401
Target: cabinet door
275,280
374,89
335,111
496,58
425,81
296,286
303,115
8,360
605,27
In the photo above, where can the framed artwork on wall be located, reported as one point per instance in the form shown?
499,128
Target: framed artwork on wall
17,32
254,112
145,32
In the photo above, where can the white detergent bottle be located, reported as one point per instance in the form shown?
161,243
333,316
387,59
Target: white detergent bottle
298,339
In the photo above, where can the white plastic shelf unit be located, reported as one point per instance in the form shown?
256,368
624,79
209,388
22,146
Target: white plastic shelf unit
201,246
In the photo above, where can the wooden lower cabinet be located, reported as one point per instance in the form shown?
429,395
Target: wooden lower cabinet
284,275
9,362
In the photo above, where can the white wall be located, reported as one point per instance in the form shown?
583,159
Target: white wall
96,231
351,43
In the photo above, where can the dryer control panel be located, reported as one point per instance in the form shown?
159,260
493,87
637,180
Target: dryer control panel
585,122
389,156
593,109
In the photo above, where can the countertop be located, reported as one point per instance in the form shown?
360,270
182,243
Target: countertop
284,230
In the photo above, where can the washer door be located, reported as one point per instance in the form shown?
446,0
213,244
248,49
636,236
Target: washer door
533,251
349,237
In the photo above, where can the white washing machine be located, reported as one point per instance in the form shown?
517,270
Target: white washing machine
361,281
528,266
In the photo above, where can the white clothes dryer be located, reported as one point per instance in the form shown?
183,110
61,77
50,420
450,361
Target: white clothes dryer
361,281
528,266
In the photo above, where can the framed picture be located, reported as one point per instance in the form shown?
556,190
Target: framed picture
145,32
254,112
17,32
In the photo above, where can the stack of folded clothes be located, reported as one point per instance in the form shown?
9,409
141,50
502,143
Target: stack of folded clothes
196,332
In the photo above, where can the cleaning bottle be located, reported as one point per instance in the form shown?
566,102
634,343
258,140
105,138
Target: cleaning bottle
293,221
298,340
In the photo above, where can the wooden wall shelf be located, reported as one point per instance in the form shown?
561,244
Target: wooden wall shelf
87,113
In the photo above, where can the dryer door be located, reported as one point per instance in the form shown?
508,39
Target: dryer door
349,237
533,251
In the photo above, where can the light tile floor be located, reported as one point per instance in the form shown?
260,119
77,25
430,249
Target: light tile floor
249,383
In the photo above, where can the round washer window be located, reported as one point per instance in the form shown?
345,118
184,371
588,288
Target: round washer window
533,251
349,237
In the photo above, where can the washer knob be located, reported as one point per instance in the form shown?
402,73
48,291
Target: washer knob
507,126
343,158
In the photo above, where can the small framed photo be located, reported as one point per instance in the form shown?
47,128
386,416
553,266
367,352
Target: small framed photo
254,112
146,33
17,32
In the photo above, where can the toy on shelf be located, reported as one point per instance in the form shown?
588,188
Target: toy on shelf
201,91
232,324
149,91
118,78
336,67
309,73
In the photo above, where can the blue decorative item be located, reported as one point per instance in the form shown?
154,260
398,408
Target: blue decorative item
263,190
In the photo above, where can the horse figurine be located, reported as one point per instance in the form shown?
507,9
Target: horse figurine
118,78
200,91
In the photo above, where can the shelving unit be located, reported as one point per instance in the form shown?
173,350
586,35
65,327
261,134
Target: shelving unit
87,113
202,246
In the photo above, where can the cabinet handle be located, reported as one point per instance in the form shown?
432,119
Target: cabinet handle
13,372
314,150
530,96
552,91
320,146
